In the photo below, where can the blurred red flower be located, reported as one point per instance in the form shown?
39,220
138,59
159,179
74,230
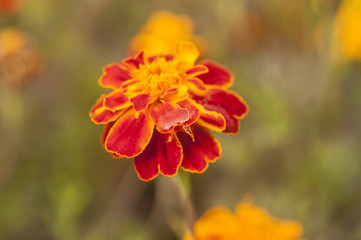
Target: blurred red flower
160,109
9,6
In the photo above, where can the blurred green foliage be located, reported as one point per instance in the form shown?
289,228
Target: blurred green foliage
298,152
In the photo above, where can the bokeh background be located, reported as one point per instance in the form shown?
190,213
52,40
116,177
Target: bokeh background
298,152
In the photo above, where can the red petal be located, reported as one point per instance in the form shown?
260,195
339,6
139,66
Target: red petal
197,153
192,110
212,120
196,70
217,75
105,133
106,130
114,75
196,86
100,115
135,62
129,136
128,83
229,101
171,156
167,115
141,101
96,107
146,164
106,116
232,123
116,100
163,153
229,104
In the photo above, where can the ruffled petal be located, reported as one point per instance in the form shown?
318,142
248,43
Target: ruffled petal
212,120
196,86
193,111
217,75
232,124
105,133
106,116
100,115
186,52
196,70
198,152
146,164
141,101
129,136
114,75
230,101
168,115
176,94
160,88
97,106
116,100
229,104
133,89
128,83
171,156
136,61
163,154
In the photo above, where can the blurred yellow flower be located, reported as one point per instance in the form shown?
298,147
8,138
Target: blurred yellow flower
161,31
11,40
348,28
248,223
19,58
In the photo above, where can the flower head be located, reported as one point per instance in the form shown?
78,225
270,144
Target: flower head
348,28
248,223
160,109
19,57
162,31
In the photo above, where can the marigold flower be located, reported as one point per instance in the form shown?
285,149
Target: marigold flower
19,57
348,28
248,223
160,109
162,30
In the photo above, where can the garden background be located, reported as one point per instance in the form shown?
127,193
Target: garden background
297,154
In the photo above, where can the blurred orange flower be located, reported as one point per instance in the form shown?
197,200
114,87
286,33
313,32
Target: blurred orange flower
250,31
9,6
162,31
160,109
248,223
19,58
348,28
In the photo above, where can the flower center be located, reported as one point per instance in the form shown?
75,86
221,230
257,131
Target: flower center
156,77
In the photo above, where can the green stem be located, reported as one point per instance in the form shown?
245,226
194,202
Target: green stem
11,128
173,203
184,185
